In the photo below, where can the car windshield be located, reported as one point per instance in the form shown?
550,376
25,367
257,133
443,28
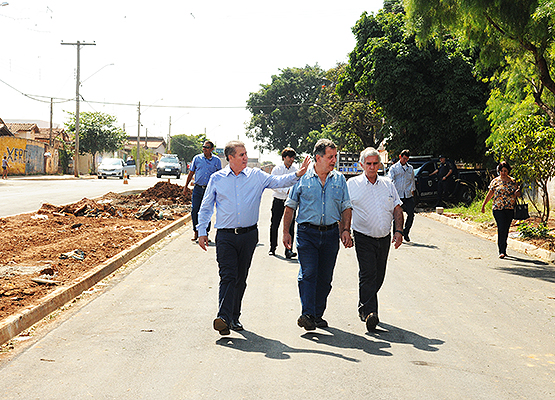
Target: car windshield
169,160
111,161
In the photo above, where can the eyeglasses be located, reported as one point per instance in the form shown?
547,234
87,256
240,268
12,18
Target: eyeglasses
206,147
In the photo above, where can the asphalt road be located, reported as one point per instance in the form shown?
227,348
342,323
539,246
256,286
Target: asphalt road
456,323
22,195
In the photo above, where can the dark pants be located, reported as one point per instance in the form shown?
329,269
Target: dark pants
234,255
503,219
408,207
196,201
278,206
317,254
372,259
444,187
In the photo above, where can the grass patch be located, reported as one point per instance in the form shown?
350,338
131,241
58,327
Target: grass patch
474,210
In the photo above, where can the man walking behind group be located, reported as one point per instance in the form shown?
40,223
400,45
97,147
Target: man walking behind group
445,179
375,205
236,190
278,205
202,167
402,175
322,200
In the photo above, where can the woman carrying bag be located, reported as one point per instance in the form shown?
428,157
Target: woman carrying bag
504,190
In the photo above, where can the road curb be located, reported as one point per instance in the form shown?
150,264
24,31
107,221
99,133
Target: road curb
513,244
15,324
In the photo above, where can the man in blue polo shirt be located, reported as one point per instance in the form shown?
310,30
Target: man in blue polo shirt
324,218
202,167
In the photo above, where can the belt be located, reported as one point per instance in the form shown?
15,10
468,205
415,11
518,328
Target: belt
321,228
238,231
202,186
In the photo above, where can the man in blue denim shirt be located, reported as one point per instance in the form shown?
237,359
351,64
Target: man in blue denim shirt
236,191
322,199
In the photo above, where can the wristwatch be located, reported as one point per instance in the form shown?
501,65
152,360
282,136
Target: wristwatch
398,231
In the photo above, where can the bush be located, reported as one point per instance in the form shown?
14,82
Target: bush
529,231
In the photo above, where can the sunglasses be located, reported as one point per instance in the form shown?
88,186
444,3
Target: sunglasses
206,147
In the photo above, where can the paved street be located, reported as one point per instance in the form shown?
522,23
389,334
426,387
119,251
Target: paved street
27,194
457,323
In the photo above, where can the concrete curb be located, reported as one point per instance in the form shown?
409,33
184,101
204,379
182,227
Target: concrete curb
513,244
15,324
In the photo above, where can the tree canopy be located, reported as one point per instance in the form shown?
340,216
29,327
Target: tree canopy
97,132
507,33
431,101
187,146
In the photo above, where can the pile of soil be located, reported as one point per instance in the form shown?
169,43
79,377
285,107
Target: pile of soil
61,243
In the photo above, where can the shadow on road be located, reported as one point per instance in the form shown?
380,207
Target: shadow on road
253,343
393,334
413,244
347,340
540,270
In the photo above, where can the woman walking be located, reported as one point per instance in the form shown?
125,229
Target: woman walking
504,191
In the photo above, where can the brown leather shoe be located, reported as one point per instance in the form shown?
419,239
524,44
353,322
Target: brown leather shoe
221,326
195,237
372,321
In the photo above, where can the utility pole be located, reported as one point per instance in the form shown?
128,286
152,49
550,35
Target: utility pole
138,160
77,84
51,112
169,135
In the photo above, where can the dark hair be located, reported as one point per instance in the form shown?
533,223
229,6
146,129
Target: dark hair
288,152
210,143
405,152
504,164
230,148
321,146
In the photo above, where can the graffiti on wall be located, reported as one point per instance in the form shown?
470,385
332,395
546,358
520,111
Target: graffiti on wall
23,156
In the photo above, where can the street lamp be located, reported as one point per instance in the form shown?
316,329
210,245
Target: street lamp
84,80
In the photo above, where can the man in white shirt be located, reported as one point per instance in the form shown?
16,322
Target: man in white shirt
375,204
402,175
278,205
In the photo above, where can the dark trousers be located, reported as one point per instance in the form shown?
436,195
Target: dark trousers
196,201
234,255
444,187
408,207
503,219
278,206
372,259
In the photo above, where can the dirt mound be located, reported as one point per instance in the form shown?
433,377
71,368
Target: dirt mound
168,191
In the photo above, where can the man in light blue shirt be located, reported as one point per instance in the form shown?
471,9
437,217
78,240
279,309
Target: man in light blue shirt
236,191
202,167
402,175
322,199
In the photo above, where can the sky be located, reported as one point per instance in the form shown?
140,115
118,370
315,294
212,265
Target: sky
192,62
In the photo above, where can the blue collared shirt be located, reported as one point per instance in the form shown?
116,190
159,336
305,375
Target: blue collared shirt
237,197
403,179
319,205
204,167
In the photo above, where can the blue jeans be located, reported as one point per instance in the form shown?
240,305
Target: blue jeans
317,255
196,201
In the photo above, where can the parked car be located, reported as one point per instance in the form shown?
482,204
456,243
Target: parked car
115,167
169,165
463,190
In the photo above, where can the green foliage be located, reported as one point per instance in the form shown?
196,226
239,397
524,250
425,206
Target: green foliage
431,101
65,154
97,133
187,146
474,210
529,231
516,37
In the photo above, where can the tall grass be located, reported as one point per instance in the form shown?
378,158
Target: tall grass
474,210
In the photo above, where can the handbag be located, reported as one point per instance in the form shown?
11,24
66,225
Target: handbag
521,210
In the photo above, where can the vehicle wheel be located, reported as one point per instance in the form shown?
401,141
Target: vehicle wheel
99,177
158,176
105,177
178,176
466,195
121,177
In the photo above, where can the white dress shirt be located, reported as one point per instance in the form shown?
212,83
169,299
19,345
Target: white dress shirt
281,193
373,205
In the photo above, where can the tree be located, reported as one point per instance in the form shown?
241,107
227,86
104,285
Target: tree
506,32
283,112
97,133
528,144
431,101
187,146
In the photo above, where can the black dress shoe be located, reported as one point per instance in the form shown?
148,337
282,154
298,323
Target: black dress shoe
221,326
290,254
372,321
407,239
236,326
272,253
306,321
320,322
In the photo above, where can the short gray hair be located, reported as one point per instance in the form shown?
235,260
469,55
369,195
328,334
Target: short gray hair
231,147
321,146
369,152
